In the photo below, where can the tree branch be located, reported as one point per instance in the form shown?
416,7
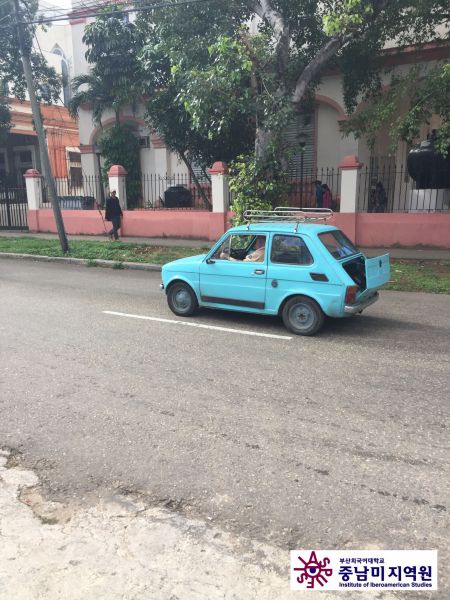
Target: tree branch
281,32
317,64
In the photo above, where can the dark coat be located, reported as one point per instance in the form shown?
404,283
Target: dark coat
112,208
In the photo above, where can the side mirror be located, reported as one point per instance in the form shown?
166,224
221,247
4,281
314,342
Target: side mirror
210,261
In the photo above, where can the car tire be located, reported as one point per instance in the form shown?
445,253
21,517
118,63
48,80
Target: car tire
181,299
302,316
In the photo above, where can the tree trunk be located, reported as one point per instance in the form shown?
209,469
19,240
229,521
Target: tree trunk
200,190
262,142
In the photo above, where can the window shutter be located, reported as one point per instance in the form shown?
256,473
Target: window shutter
302,123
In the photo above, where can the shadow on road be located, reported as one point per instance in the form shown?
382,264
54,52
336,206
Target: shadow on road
360,326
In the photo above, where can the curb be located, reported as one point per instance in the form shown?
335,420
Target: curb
109,264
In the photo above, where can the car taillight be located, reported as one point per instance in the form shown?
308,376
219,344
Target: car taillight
350,294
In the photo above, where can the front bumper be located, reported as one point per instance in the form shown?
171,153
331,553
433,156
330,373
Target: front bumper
161,286
353,309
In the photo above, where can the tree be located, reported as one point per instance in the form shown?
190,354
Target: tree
120,146
424,93
221,72
5,120
91,89
12,79
174,46
113,83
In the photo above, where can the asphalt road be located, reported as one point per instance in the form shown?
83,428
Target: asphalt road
336,441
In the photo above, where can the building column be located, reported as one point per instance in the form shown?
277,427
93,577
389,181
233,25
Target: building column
92,176
118,181
349,167
33,183
161,155
220,191
220,197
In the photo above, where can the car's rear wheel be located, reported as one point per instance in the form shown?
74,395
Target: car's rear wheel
181,299
302,316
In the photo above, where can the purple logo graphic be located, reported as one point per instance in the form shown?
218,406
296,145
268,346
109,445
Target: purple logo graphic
313,571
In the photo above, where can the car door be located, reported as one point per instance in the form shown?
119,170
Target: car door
292,270
230,279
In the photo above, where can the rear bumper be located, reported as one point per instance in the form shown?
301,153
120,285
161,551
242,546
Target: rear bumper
353,309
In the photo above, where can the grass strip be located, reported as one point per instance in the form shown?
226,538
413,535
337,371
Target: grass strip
92,250
420,276
406,275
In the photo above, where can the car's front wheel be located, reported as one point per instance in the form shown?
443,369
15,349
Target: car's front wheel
181,299
302,316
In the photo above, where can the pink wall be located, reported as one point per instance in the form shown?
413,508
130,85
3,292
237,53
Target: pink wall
138,223
403,229
367,230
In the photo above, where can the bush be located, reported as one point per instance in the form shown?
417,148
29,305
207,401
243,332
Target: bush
256,186
120,146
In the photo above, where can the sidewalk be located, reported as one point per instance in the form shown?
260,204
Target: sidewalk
423,253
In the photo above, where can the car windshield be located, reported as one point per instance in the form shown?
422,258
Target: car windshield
338,244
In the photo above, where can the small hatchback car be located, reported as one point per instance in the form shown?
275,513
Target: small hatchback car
285,262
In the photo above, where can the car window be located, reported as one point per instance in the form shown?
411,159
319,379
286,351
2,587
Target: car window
290,249
242,247
338,244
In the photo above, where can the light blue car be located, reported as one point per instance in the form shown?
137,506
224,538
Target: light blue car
293,268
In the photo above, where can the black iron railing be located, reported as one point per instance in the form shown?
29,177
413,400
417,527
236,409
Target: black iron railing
13,208
392,189
177,191
77,194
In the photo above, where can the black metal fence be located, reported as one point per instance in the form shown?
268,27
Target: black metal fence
13,208
303,192
302,188
391,189
157,192
177,191
81,193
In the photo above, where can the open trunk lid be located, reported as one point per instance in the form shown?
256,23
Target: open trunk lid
378,273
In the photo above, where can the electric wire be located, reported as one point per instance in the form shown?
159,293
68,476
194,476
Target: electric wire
144,8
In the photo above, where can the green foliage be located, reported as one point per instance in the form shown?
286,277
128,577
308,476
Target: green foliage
215,91
47,82
347,15
5,120
114,81
182,99
424,92
120,146
112,47
256,186
118,252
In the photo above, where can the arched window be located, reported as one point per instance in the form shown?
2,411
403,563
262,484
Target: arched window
57,50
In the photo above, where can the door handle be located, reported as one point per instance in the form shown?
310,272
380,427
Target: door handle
259,271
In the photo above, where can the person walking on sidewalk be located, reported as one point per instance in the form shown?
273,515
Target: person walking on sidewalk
113,213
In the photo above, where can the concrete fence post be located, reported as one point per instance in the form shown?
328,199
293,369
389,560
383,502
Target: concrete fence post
33,183
220,192
117,176
349,167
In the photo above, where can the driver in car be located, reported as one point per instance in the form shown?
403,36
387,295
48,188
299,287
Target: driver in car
256,256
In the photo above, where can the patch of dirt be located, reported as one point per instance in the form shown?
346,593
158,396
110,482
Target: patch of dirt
14,457
49,513
438,267
148,250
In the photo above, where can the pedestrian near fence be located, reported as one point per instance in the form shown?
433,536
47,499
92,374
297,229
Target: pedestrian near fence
113,213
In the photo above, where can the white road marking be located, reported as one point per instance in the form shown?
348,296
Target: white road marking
199,325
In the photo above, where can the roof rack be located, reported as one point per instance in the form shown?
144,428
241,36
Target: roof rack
287,214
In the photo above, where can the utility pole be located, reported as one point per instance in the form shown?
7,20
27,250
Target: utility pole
43,151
